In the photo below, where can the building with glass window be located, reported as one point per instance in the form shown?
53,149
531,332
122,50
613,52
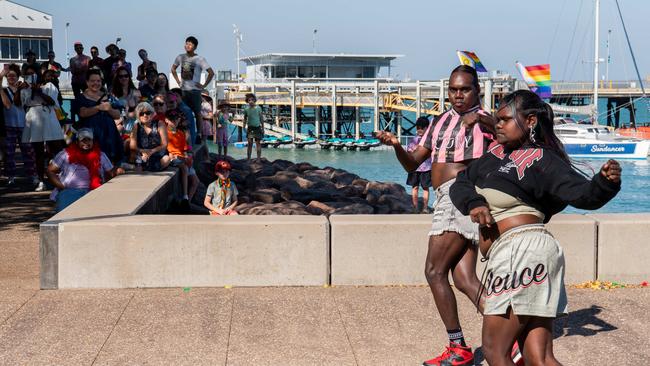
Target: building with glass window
23,29
278,66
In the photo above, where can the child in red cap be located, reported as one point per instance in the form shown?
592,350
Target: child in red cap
221,197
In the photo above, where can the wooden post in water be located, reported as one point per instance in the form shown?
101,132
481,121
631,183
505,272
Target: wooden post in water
293,109
375,126
334,110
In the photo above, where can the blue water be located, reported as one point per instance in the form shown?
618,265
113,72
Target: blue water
382,165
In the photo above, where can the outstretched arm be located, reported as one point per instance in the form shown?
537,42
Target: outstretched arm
410,161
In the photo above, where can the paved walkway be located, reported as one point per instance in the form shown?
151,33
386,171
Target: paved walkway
262,326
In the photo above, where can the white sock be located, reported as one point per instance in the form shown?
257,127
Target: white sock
185,197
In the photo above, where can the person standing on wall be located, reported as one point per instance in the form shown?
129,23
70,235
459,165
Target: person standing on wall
192,66
79,66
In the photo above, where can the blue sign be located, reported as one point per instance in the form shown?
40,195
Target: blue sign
599,149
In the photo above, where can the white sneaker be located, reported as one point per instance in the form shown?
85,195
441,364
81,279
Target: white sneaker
40,187
11,181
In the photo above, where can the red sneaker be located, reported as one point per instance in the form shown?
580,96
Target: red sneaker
517,357
454,355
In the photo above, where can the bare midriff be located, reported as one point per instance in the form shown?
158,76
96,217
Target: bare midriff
489,235
444,172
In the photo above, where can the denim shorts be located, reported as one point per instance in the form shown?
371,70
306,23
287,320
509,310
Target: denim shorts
447,218
525,271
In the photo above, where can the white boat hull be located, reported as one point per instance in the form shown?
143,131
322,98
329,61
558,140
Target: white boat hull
579,148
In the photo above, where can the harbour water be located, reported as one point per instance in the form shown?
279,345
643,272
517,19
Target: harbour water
382,165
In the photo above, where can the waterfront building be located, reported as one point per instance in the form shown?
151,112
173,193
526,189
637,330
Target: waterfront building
23,29
332,66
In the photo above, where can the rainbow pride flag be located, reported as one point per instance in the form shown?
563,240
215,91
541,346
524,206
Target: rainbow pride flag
538,78
470,59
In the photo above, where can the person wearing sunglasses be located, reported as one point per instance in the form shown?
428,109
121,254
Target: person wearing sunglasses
149,140
97,113
125,92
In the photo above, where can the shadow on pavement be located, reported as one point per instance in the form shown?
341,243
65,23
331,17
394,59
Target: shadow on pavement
584,322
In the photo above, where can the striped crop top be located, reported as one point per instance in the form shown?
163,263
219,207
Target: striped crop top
451,142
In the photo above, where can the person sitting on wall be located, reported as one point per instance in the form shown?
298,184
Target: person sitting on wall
221,196
180,155
149,139
78,169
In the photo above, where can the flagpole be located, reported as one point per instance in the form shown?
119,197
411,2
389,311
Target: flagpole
594,117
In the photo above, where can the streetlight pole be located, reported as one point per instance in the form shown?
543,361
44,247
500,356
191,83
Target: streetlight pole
313,41
238,40
609,33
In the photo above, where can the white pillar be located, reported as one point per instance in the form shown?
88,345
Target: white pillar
418,99
376,107
357,122
293,109
317,123
441,97
333,110
487,95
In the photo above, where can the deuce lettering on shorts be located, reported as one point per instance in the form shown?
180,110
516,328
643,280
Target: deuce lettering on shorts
495,285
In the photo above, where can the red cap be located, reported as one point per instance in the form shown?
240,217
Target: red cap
222,166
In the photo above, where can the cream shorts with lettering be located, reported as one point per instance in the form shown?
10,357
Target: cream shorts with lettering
525,271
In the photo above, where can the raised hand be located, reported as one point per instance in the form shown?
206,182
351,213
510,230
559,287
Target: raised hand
611,170
387,138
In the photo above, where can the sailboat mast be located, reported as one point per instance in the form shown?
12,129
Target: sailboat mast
594,117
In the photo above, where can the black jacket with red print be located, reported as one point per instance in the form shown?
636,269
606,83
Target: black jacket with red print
535,175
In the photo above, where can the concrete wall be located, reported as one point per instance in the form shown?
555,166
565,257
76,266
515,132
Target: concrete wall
173,251
107,239
390,249
623,247
379,249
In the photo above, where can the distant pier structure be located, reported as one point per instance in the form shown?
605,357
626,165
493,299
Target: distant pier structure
342,94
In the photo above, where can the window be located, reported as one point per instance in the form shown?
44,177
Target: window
9,48
368,72
320,71
39,46
279,72
292,71
305,71
44,49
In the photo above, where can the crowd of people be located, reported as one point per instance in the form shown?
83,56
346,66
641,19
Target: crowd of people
114,125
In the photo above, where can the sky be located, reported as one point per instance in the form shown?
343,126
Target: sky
426,32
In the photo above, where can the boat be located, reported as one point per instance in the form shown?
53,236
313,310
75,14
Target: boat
641,132
367,143
268,141
284,140
301,143
327,144
339,143
598,142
